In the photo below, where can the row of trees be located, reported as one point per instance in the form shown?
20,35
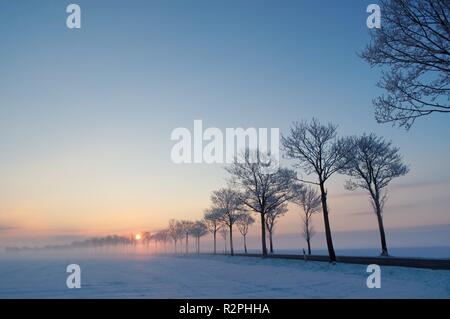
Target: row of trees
216,221
369,161
176,232
413,48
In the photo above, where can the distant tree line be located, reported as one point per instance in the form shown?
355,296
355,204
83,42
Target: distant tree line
107,241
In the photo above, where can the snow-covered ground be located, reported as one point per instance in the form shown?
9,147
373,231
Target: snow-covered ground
149,276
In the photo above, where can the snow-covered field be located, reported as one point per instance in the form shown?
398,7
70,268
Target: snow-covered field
151,276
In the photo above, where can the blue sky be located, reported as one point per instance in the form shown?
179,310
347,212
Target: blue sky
86,115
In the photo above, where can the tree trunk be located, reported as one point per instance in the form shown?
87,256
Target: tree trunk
308,235
271,242
323,196
187,242
231,240
214,235
175,246
263,236
384,250
245,244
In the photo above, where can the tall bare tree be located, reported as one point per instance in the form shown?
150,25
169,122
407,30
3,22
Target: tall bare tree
243,224
318,151
213,222
272,219
309,200
227,201
262,190
374,163
413,47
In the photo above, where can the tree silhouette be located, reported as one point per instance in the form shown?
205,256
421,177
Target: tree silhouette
262,190
318,151
198,230
212,219
243,224
186,227
374,163
227,201
309,200
413,47
271,220
175,232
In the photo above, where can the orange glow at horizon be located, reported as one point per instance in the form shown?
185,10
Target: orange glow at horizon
138,236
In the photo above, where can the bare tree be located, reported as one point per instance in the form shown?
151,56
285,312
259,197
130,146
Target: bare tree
318,151
186,226
223,231
374,163
227,201
271,220
175,232
198,230
163,236
414,44
243,224
213,222
146,238
309,200
262,190
153,237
